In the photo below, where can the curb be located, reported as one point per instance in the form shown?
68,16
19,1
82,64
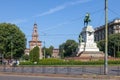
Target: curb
85,76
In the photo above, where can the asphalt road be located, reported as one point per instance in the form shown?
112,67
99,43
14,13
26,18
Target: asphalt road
21,77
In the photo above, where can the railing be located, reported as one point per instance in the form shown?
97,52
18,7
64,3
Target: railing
67,70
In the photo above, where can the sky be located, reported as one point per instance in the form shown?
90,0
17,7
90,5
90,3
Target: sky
57,20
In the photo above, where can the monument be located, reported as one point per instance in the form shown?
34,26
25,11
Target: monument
87,48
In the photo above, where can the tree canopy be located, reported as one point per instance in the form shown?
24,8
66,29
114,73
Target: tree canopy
113,45
68,48
12,40
101,45
34,54
48,51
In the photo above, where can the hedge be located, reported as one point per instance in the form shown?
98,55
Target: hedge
69,62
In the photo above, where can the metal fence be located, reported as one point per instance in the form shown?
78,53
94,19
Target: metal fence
68,70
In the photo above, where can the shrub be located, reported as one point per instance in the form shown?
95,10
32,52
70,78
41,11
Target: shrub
70,62
34,54
118,54
25,57
26,63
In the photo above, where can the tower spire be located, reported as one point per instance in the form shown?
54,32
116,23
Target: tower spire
35,33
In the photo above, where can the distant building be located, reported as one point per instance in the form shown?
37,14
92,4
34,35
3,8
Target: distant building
55,53
113,28
34,42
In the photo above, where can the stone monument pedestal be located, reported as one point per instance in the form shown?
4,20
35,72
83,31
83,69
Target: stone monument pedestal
87,48
91,54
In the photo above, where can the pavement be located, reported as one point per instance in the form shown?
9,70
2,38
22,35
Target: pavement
84,76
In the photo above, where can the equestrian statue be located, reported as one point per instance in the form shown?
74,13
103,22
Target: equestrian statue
87,19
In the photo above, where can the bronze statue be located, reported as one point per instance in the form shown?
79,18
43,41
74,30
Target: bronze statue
87,19
80,38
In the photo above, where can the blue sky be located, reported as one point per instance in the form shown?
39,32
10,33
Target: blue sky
58,20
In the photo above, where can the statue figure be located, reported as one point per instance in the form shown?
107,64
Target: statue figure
87,19
80,38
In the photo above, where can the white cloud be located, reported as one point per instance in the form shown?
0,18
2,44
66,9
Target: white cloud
51,11
18,21
58,8
61,7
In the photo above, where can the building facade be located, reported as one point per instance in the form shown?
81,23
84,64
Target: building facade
35,42
113,28
55,53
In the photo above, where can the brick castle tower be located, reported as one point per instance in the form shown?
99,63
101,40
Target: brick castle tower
35,42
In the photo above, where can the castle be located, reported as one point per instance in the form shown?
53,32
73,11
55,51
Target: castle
35,42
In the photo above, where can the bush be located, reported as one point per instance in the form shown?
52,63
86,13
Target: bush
70,62
26,63
51,62
118,54
34,54
114,62
25,57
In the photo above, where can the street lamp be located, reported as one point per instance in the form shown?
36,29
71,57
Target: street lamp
44,50
106,39
11,47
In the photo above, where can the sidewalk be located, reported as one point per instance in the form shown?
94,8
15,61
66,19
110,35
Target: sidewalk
85,76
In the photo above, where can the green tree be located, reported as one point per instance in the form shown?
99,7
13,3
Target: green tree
114,44
118,54
34,54
101,45
48,51
51,49
61,49
25,57
68,48
12,40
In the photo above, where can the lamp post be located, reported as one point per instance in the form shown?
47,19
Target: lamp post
11,55
106,39
44,50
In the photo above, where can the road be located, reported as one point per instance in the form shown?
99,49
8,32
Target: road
21,77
